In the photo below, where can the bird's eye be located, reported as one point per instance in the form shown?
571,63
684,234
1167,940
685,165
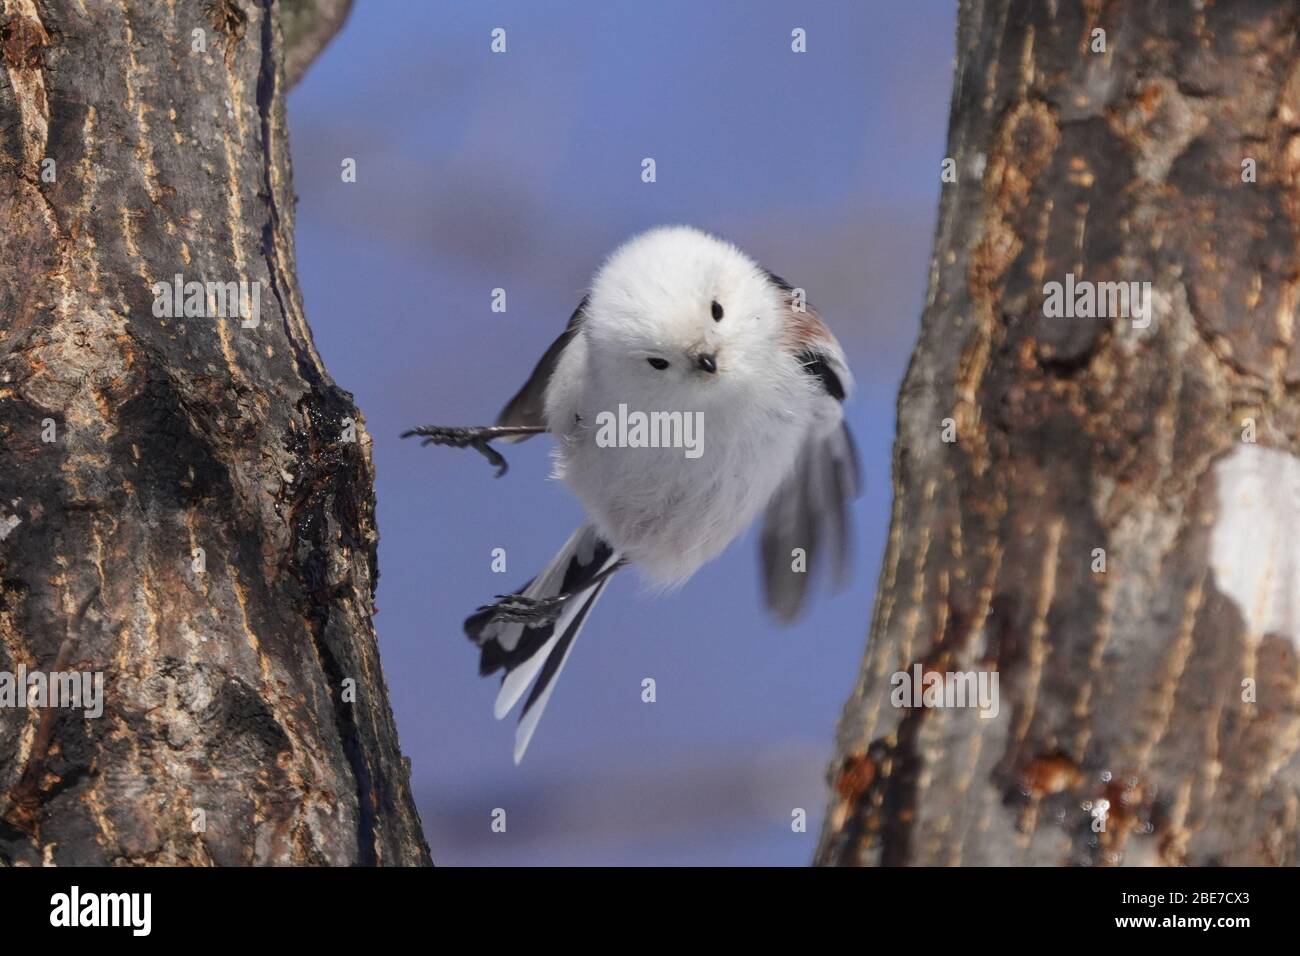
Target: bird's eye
658,363
717,312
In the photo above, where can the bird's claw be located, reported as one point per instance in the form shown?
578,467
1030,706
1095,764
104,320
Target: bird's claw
456,436
494,457
518,609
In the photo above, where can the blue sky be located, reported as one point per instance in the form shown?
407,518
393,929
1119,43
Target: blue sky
522,171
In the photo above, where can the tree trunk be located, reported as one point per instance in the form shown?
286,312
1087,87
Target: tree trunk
186,501
1148,704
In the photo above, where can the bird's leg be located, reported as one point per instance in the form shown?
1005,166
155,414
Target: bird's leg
535,612
474,436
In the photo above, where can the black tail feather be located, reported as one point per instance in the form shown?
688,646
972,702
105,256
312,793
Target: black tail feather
484,629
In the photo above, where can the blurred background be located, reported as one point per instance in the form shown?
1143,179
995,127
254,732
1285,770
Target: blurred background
522,171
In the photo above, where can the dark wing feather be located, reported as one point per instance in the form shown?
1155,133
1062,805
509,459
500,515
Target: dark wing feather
822,367
811,509
528,407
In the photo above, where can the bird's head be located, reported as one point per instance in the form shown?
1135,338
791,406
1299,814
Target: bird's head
682,316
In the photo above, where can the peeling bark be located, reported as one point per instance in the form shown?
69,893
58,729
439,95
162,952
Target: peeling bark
129,441
1166,687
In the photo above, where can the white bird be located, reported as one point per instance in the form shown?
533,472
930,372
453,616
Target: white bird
737,388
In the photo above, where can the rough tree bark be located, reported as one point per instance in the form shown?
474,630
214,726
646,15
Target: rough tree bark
1164,688
129,441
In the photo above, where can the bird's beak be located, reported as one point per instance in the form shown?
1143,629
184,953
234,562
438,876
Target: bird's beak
706,362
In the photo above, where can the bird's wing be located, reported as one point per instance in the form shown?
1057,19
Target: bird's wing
810,511
528,407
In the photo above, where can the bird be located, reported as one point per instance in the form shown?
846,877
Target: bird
691,391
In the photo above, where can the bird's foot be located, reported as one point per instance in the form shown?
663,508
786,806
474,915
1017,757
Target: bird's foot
518,609
473,436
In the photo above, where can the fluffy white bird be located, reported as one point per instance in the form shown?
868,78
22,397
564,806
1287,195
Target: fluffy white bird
734,390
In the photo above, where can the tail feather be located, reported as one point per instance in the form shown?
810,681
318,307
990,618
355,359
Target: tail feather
526,652
541,693
517,678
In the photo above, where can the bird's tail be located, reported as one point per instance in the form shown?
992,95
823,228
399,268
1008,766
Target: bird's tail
576,575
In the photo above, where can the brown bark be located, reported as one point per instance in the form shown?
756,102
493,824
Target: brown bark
307,26
226,735
1073,434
